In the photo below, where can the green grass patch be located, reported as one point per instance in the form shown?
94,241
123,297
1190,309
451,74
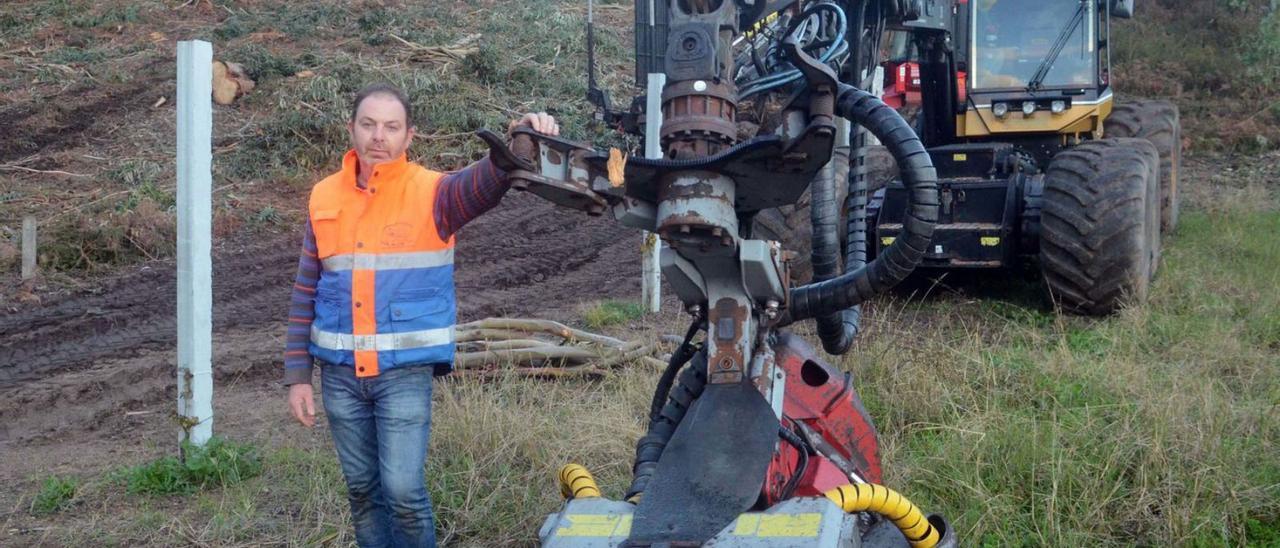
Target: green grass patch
115,15
1156,425
609,313
56,493
217,463
71,55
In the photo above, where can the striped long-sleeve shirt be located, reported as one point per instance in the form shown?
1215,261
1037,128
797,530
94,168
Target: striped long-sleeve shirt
460,197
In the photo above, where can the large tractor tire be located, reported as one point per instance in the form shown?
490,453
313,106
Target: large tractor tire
1100,231
1160,123
791,226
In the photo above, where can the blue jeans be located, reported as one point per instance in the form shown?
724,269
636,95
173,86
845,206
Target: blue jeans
380,427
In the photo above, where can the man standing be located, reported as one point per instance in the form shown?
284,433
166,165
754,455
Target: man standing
374,304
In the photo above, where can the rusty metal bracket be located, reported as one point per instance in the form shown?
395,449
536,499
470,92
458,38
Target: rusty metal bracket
558,173
822,84
769,170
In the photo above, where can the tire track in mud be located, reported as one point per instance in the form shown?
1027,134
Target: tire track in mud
532,258
76,362
136,313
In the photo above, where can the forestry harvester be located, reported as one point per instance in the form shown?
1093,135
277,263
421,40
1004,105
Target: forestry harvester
753,439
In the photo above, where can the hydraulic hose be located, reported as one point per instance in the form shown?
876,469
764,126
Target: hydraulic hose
681,356
577,483
811,15
895,263
837,331
869,497
649,448
825,252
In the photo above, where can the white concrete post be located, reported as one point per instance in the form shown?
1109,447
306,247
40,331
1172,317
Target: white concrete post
195,273
652,246
28,247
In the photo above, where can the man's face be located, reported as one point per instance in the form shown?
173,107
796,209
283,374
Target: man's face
379,132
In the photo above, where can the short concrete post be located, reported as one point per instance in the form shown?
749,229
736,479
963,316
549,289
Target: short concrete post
28,247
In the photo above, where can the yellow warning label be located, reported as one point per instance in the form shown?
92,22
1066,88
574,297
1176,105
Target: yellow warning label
990,241
960,157
887,240
596,525
778,525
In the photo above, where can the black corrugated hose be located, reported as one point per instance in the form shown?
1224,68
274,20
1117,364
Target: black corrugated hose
836,330
681,356
693,378
856,285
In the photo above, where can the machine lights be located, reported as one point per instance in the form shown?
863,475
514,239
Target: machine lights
1000,109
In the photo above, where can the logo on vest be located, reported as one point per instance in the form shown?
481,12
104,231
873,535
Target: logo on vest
397,235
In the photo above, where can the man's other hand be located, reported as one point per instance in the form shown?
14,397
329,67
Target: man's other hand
301,404
541,122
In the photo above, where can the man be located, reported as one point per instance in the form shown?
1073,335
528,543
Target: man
374,305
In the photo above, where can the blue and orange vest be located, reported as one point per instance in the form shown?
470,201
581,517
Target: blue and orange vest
385,297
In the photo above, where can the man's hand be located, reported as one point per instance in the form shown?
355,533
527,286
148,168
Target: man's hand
541,122
301,404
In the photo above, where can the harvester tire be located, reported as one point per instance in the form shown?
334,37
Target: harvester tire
1160,123
1099,234
791,226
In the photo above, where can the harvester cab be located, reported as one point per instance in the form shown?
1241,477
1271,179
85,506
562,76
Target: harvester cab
753,439
1037,164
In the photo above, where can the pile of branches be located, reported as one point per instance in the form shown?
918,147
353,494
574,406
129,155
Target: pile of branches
440,55
495,347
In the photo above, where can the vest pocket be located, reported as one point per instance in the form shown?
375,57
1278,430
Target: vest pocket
417,309
419,324
324,224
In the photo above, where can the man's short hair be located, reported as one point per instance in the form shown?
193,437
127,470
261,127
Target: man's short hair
383,88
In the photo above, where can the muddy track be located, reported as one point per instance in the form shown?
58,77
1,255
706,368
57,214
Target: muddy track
136,313
529,257
67,127
87,354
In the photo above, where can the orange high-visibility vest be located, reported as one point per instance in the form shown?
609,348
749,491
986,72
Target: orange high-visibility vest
385,297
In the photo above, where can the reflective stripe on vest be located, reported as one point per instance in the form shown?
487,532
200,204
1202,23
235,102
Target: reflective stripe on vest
385,297
389,261
382,342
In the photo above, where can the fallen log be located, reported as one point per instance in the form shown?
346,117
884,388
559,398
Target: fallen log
533,347
542,326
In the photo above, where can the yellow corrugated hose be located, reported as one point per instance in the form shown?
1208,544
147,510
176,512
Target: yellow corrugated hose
867,497
577,483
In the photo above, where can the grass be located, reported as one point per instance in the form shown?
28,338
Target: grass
1216,59
218,463
1158,425
612,313
485,89
56,493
